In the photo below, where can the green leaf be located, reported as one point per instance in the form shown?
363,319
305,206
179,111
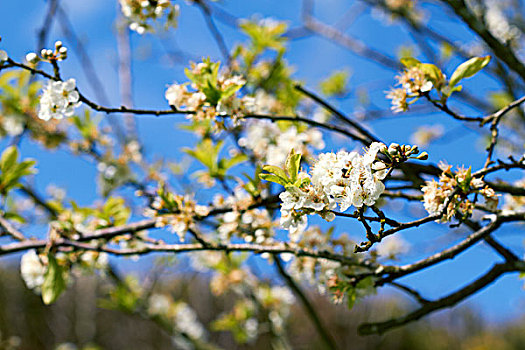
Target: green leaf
8,159
468,69
432,72
301,182
351,298
410,62
273,178
115,211
228,163
54,282
293,164
207,153
335,84
272,169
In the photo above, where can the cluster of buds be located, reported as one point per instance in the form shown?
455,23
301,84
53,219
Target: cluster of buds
58,54
401,153
454,189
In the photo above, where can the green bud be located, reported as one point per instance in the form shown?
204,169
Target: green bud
423,156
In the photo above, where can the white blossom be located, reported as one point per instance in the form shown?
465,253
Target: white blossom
272,146
251,326
58,99
433,198
12,125
158,304
186,321
32,270
176,95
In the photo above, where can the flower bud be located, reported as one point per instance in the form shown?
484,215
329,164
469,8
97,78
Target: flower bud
393,149
423,156
58,45
3,56
32,58
393,146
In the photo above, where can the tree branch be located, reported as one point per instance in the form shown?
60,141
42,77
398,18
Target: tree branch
448,301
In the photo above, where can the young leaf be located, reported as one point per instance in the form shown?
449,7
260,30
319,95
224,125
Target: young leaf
301,182
432,72
54,282
8,159
226,164
410,62
468,69
351,298
335,84
272,169
273,178
293,163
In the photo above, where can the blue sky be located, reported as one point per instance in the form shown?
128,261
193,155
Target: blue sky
314,59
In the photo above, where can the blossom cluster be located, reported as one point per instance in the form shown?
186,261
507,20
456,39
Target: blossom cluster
59,99
33,266
278,300
211,94
343,178
271,145
140,12
252,225
318,271
331,276
455,188
179,314
414,82
245,318
176,211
